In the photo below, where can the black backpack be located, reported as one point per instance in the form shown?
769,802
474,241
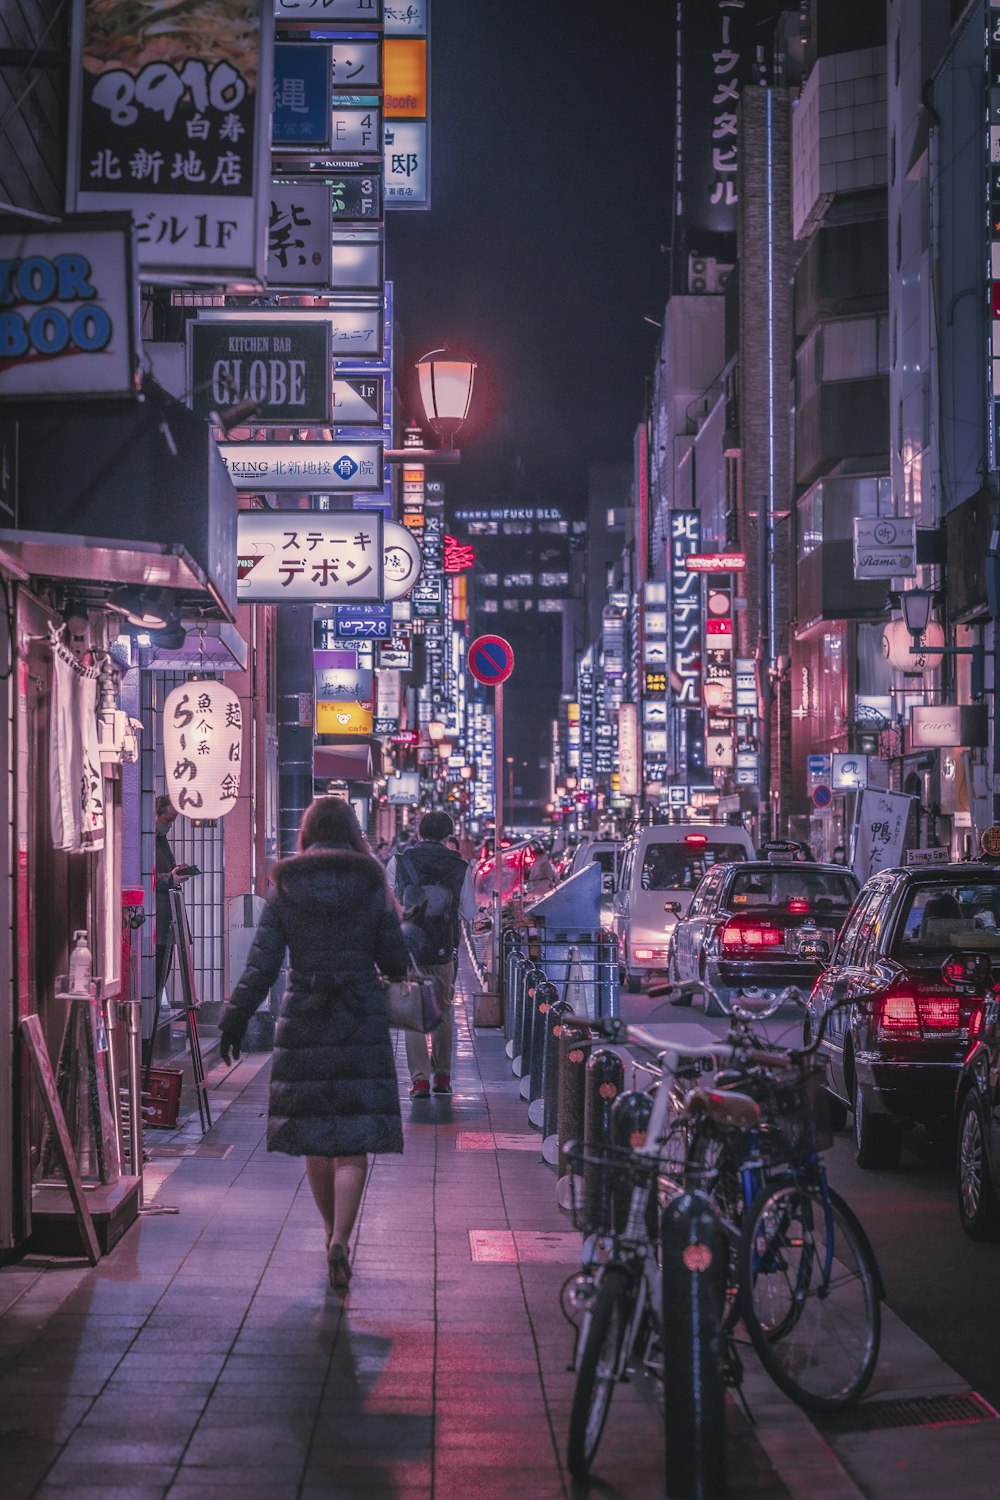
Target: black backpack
429,910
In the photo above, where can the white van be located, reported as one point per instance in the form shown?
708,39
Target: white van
660,868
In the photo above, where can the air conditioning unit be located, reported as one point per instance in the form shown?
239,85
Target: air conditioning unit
705,274
702,273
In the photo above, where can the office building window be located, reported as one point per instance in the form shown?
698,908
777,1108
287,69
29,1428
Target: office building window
513,605
556,528
487,606
554,580
517,528
826,512
550,606
482,528
487,580
518,580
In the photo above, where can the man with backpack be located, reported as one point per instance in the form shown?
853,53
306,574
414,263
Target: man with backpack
435,890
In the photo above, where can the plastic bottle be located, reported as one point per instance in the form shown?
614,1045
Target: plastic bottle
79,965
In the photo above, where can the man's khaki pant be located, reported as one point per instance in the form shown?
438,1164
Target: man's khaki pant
442,1036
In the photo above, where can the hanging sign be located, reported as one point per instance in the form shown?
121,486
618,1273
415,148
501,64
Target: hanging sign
304,468
308,557
885,547
334,684
628,750
341,200
363,622
355,323
407,18
366,12
69,316
685,609
397,651
171,121
202,748
407,164
357,402
301,111
880,831
282,365
343,718
403,561
298,235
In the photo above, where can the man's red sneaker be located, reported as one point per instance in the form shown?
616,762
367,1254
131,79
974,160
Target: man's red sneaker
420,1089
442,1083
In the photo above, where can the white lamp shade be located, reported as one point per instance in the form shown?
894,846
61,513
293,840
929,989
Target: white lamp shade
202,748
446,389
896,643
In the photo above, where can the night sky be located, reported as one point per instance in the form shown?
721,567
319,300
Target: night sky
542,252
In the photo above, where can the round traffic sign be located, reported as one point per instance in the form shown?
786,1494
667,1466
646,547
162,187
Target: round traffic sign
822,796
491,659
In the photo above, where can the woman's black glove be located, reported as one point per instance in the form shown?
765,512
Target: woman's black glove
231,1029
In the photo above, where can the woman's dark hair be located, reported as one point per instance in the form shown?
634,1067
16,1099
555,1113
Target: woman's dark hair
163,804
330,820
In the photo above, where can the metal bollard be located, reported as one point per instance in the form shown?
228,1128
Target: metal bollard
549,1121
574,1040
693,1292
604,1081
510,947
511,1012
522,1033
629,1117
547,995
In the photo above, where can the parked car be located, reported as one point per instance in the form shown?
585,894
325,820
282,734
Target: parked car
902,961
660,868
749,925
977,1109
607,854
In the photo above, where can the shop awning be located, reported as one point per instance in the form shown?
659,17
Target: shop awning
125,493
343,762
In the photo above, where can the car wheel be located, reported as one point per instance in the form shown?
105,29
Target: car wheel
978,1207
633,983
877,1139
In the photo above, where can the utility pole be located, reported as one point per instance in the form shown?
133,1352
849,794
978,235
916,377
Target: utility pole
764,666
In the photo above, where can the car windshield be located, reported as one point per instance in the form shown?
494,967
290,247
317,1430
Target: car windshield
940,918
605,858
822,890
679,866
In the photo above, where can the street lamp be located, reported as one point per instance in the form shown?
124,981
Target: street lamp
435,731
445,391
916,606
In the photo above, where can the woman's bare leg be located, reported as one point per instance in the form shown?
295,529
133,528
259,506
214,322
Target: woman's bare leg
349,1177
320,1176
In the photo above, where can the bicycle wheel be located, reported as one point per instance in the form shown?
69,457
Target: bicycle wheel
816,1331
598,1369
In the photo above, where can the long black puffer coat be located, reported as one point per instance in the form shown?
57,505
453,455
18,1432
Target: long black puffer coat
333,1078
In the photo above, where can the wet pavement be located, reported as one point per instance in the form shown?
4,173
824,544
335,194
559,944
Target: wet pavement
206,1355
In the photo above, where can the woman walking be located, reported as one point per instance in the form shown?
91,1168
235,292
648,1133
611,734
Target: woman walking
334,1096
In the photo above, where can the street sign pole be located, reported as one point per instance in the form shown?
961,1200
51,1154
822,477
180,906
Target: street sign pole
498,764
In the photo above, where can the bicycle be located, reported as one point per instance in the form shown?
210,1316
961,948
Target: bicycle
787,1285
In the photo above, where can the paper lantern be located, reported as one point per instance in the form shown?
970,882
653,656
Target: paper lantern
202,748
896,642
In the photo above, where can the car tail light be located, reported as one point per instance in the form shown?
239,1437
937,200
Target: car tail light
797,906
750,936
976,1024
902,1013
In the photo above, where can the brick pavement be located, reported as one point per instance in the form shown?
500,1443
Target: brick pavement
206,1356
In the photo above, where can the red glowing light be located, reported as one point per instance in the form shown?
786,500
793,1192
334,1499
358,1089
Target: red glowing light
458,556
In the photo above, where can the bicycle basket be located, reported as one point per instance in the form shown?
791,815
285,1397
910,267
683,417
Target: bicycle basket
602,1179
795,1114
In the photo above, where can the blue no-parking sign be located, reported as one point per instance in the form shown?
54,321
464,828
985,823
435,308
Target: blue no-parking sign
491,659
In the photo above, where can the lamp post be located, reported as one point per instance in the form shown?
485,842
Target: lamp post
445,384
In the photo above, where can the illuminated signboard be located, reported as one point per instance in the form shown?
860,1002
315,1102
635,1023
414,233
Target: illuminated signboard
685,608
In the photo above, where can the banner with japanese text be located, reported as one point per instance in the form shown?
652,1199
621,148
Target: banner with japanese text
170,117
880,831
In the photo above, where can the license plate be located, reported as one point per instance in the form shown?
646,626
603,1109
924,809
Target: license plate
796,936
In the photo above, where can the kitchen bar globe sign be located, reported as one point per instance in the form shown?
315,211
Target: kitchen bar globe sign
491,660
284,367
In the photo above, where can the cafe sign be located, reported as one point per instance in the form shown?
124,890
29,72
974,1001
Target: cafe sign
170,114
283,366
69,314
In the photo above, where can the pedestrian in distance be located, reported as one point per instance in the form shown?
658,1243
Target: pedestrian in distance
334,1095
839,856
435,890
